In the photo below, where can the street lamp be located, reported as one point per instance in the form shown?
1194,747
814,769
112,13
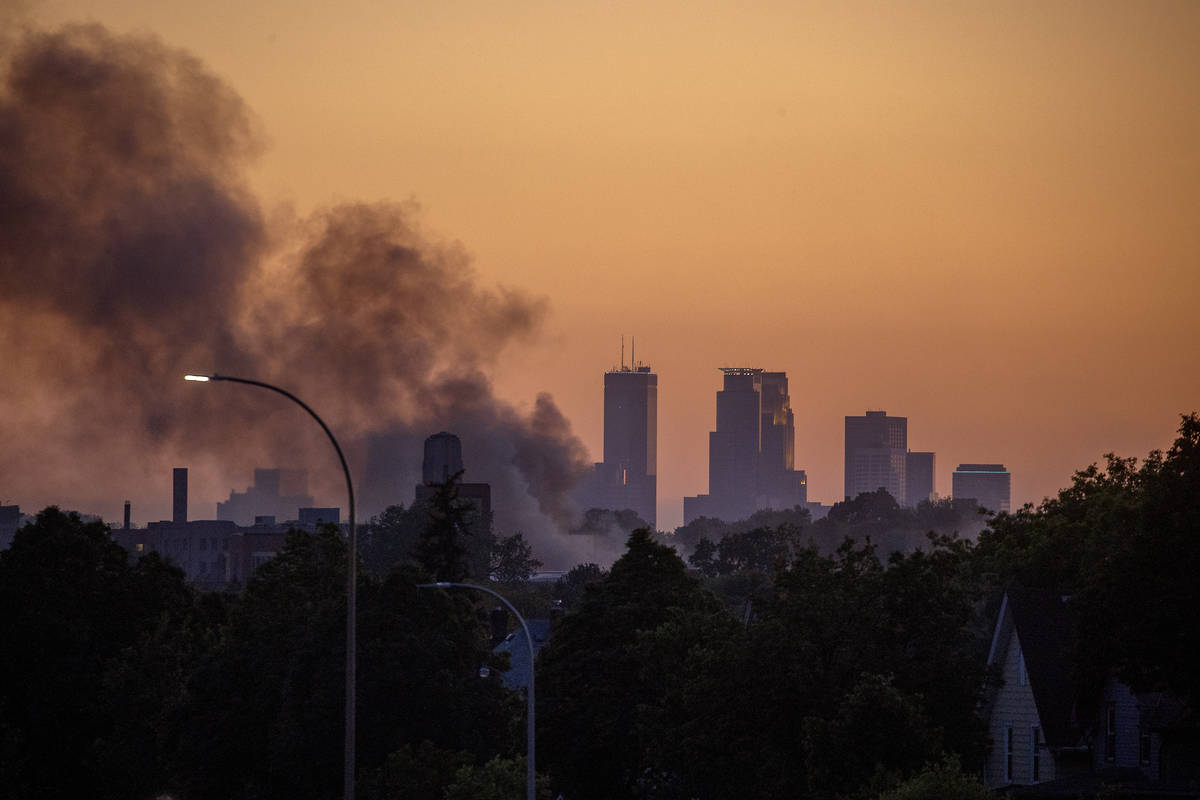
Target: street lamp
530,771
351,581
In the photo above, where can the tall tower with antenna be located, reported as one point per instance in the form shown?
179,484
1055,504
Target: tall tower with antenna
628,475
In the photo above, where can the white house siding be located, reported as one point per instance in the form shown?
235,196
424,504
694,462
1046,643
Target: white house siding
1128,730
1015,705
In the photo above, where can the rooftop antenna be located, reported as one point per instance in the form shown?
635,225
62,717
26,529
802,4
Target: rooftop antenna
633,352
622,351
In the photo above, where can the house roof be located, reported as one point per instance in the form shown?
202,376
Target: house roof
1043,628
518,652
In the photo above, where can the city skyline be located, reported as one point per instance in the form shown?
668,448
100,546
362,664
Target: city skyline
981,218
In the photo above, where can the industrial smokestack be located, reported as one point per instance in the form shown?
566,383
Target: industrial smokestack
126,527
179,507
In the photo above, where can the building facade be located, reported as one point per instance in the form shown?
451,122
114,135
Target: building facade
876,455
918,477
215,554
278,493
442,460
989,485
751,454
627,478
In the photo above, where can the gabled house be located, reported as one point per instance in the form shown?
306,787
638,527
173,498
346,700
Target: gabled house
1031,717
1044,746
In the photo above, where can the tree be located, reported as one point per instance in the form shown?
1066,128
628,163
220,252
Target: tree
79,620
1124,542
512,560
498,779
457,541
569,588
391,537
783,698
942,780
605,669
763,550
877,736
877,517
266,706
1136,600
421,770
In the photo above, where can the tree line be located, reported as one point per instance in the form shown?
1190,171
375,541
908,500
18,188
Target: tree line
772,664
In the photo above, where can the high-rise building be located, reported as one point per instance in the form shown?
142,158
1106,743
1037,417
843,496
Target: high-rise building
780,484
442,461
919,472
278,493
876,455
989,485
751,454
628,475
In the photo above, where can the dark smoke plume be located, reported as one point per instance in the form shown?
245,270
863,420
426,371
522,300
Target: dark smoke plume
131,252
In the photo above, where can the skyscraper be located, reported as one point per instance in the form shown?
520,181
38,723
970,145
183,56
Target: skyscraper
751,453
780,484
628,475
919,477
876,455
989,485
733,447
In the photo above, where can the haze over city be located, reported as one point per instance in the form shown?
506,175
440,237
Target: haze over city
979,217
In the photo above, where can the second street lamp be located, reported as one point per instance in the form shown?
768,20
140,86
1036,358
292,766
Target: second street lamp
351,580
530,771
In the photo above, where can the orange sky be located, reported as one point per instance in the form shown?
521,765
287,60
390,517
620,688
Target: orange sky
982,216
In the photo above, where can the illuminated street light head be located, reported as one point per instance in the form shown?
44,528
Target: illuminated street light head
201,378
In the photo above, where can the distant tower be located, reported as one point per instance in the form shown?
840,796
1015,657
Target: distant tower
989,485
278,493
179,496
733,447
443,458
751,453
919,476
628,475
876,455
780,484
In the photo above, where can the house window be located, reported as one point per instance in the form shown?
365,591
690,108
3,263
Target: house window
1110,732
1144,746
1008,753
1035,765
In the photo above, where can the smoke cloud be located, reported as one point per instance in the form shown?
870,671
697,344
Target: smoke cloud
131,252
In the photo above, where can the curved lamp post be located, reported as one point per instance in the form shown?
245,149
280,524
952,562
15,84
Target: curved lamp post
351,581
530,772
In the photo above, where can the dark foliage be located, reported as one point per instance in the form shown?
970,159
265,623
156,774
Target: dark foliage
79,621
1124,543
651,690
